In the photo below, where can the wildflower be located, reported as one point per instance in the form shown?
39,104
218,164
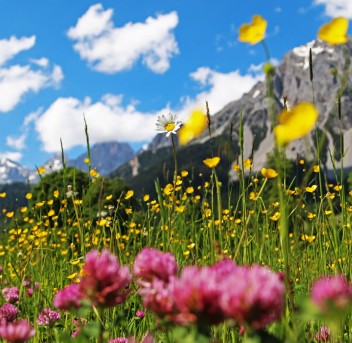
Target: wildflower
104,281
193,127
11,294
118,340
269,173
189,190
129,194
70,192
323,334
93,173
316,169
254,32
152,263
211,162
168,189
308,238
8,313
295,123
275,217
157,296
332,293
41,170
168,123
334,32
29,196
197,293
68,298
17,332
247,164
48,317
253,296
311,189
140,314
3,195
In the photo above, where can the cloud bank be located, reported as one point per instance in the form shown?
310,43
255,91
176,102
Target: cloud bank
111,49
336,8
109,119
18,80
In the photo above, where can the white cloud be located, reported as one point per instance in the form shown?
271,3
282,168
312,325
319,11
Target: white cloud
42,62
336,8
17,142
9,155
12,46
222,88
108,119
111,49
16,81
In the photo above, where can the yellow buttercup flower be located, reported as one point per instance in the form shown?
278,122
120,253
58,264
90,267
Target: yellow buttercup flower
295,123
254,32
316,169
193,127
129,194
311,189
211,162
334,32
247,164
269,173
41,170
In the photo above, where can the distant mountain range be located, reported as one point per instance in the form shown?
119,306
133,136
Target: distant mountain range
291,81
106,157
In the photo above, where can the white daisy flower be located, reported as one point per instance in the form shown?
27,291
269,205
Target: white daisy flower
168,123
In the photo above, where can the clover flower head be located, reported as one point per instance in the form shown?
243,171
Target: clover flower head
68,298
8,313
11,294
253,296
332,293
152,263
104,282
197,294
17,332
48,317
169,123
323,335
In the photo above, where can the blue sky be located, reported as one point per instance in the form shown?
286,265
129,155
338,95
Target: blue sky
122,63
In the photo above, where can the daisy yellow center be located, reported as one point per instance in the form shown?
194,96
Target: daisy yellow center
169,127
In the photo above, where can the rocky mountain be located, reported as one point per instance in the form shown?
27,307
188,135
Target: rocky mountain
331,74
11,171
106,157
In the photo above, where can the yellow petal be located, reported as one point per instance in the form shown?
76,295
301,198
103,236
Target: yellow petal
269,173
211,162
311,189
334,32
254,32
129,194
193,127
295,123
